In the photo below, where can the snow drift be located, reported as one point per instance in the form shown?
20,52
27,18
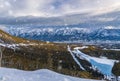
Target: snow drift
7,74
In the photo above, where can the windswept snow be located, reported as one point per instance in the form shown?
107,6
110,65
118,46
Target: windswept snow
38,75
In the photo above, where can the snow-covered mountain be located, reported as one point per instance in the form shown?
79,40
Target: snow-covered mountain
69,33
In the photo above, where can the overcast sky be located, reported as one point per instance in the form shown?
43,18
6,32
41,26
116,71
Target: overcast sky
56,7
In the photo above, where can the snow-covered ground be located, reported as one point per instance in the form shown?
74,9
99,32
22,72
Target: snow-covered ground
112,49
16,46
7,74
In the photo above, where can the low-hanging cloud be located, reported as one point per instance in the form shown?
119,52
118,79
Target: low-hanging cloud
55,7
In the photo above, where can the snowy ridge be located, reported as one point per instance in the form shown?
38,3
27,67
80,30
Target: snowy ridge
102,65
42,30
7,74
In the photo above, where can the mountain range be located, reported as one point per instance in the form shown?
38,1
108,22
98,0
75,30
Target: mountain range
73,34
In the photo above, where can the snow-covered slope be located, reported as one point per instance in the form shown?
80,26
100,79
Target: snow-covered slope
38,75
102,65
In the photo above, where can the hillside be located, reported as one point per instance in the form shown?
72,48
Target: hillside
32,55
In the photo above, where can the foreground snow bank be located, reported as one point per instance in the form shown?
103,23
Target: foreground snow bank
7,74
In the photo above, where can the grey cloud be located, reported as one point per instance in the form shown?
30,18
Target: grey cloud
52,7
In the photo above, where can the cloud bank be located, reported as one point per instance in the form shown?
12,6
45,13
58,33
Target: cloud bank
56,7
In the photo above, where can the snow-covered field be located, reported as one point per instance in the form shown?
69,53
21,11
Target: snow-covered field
7,74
